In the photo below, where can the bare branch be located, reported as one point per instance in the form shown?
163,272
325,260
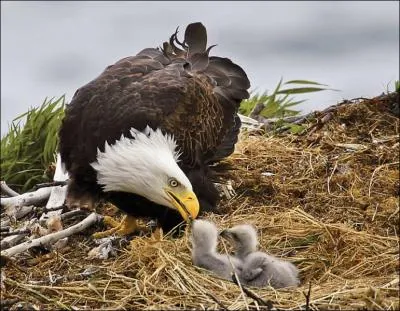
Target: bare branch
10,233
17,212
213,297
71,214
320,123
255,113
248,122
7,190
61,207
53,237
50,184
30,198
308,297
11,240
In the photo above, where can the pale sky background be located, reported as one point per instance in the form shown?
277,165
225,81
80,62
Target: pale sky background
52,48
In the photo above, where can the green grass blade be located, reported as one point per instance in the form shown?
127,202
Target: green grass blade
304,82
301,90
30,144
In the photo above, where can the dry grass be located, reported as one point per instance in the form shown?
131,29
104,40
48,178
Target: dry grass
331,211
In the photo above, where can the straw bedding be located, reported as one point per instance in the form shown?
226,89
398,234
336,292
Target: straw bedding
326,200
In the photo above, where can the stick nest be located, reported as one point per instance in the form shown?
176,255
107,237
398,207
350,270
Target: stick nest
326,200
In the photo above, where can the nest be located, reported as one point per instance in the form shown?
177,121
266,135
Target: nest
326,200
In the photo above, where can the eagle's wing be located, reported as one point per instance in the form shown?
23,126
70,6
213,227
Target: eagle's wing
229,85
182,91
231,88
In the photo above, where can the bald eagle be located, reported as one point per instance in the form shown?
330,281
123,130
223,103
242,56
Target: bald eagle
142,135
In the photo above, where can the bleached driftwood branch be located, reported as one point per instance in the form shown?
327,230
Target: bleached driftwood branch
249,123
58,193
29,198
16,232
258,122
71,214
53,237
19,206
42,194
12,240
7,190
51,184
16,212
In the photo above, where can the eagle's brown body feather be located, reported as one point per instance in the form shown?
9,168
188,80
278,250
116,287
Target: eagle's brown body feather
184,92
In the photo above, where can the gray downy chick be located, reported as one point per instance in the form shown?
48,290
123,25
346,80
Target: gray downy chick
244,239
259,269
204,240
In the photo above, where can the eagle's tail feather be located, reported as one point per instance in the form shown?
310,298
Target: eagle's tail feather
230,82
196,38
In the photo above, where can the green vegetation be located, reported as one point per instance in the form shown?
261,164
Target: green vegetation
279,104
28,150
397,86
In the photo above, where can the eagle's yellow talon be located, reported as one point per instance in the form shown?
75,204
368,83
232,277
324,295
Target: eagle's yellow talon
128,225
103,234
107,220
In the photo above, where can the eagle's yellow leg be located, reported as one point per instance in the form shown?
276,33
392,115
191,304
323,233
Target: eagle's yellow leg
129,224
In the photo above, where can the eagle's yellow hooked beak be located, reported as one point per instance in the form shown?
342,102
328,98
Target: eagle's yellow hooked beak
185,202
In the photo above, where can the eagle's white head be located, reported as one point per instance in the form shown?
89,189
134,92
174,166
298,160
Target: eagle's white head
147,165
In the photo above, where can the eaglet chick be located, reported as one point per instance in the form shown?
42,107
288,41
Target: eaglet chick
204,240
258,268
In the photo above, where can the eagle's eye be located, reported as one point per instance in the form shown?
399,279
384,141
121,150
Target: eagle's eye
173,182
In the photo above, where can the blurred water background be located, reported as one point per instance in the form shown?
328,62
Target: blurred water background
52,48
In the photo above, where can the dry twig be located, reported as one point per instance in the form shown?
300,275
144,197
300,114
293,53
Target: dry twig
50,184
16,232
53,237
260,301
234,274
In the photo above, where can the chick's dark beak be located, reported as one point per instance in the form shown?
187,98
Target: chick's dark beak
224,233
